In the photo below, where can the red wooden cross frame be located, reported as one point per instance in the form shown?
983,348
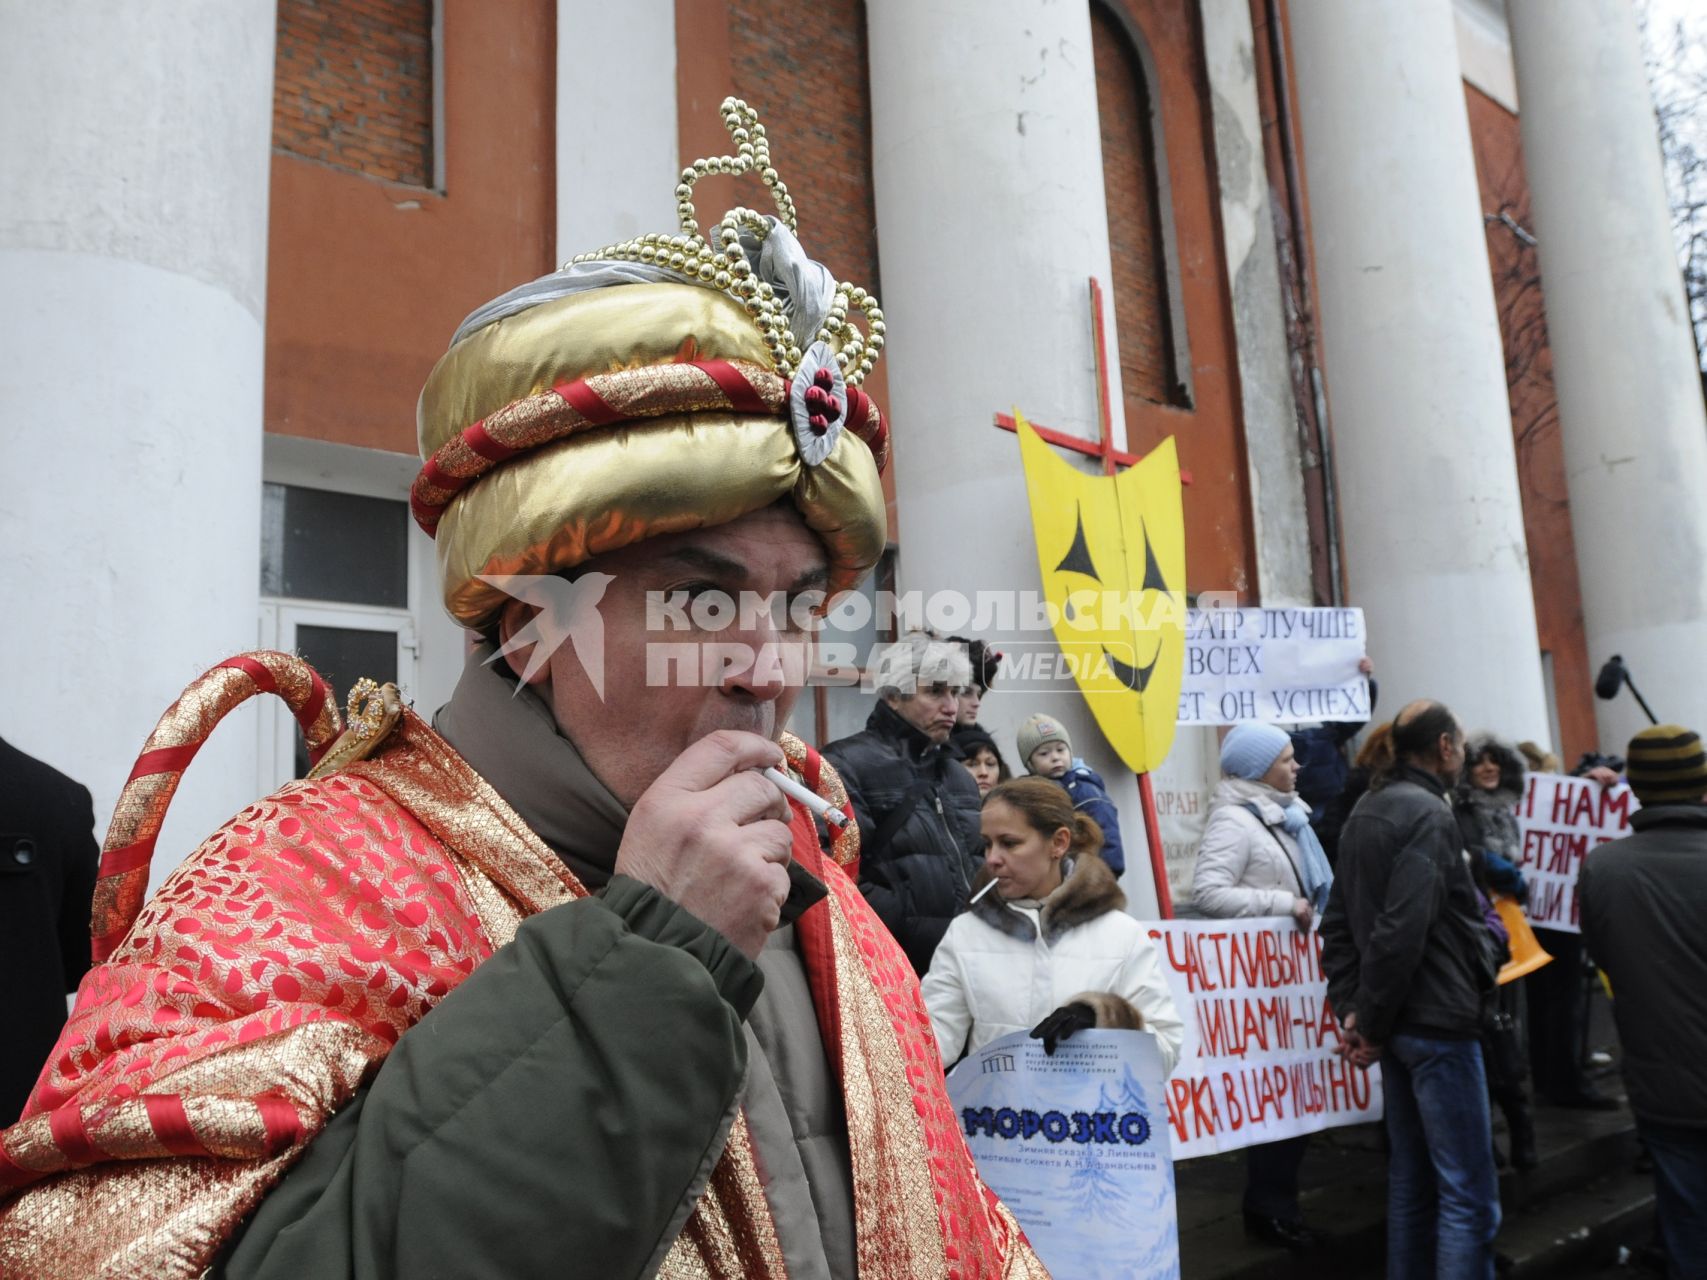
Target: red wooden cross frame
1111,458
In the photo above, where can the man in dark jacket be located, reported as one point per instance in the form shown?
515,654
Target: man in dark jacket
47,876
1644,918
1411,973
917,806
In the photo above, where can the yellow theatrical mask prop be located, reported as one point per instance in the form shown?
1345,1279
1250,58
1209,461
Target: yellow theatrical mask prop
1111,550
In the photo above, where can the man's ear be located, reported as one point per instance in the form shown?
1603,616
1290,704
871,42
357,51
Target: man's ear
516,615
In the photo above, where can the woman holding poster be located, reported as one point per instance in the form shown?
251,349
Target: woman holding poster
1047,943
1259,857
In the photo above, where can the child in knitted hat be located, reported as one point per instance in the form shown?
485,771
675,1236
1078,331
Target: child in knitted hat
1048,752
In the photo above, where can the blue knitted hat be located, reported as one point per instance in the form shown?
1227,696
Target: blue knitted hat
1250,749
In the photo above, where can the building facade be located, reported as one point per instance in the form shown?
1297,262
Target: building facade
1417,352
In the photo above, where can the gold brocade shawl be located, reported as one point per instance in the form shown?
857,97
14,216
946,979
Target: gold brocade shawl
268,978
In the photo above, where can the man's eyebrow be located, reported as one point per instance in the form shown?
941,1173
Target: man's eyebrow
812,580
703,561
716,564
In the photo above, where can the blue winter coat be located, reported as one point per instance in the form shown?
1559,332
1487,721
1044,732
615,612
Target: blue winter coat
1090,797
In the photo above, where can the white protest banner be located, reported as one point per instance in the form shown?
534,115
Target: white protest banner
1561,820
1076,1145
1259,1060
1282,666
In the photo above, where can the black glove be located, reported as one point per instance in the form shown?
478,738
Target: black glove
1061,1024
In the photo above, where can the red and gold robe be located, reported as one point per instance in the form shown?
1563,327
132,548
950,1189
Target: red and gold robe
273,971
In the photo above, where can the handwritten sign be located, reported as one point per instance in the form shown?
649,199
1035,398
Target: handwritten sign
1076,1145
1281,666
1561,820
1259,1060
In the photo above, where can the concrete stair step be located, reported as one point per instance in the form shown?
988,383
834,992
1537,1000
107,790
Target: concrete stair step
1579,1230
1563,1218
1575,1147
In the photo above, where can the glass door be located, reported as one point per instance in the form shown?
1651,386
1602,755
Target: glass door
343,643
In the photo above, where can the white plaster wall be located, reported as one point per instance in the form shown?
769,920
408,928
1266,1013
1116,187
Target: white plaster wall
132,268
617,151
1624,361
1432,519
987,160
1484,49
1273,455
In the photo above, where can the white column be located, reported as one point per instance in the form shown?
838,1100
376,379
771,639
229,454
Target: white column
1274,461
1624,362
1427,476
617,150
987,159
133,252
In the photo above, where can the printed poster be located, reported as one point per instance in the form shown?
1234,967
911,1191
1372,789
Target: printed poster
1076,1145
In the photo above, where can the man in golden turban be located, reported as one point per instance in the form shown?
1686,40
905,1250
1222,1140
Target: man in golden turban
561,984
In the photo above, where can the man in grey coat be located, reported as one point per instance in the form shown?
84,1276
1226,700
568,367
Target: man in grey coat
1644,918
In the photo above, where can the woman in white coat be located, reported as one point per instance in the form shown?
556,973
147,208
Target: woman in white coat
1050,946
1259,857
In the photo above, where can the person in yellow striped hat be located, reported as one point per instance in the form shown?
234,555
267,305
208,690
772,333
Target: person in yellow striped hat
1643,902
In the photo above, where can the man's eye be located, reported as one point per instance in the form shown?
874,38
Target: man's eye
800,613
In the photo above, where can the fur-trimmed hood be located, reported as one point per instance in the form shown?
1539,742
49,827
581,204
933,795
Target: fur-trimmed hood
1088,891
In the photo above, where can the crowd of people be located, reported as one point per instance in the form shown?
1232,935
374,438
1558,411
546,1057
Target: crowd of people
1407,858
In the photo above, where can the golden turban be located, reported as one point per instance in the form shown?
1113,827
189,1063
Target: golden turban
655,386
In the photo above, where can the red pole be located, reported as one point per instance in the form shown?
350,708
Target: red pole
1153,834
1105,416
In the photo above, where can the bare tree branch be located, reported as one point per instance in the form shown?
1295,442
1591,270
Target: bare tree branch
1676,58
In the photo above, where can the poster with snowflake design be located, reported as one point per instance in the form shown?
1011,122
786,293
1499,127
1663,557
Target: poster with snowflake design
1076,1145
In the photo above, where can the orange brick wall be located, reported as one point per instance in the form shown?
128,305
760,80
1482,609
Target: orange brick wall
804,67
807,72
1134,230
1495,137
1210,432
353,86
366,279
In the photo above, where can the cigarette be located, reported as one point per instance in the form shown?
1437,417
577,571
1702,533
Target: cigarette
981,892
820,806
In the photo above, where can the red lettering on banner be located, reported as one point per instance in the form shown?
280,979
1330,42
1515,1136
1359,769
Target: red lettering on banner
1339,1086
1361,1093
1235,1112
1561,805
1583,807
1545,899
1327,1025
1568,850
1192,1099
1532,847
1615,802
